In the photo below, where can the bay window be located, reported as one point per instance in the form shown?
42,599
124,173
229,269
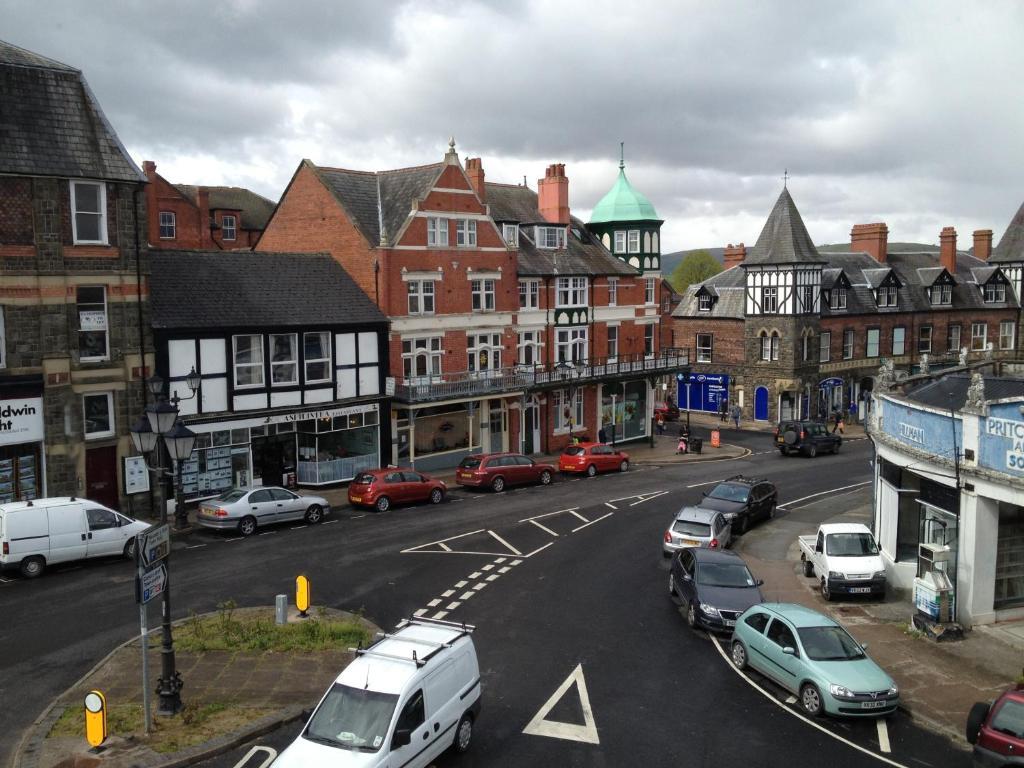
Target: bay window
571,345
421,359
571,292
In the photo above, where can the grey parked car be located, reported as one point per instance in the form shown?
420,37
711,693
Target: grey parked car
246,509
697,527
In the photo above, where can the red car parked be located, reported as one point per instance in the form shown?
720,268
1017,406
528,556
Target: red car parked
380,488
593,458
997,730
496,470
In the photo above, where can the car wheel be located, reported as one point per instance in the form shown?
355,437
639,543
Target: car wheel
810,700
812,451
383,504
783,452
436,496
835,448
31,567
975,720
825,591
464,733
315,514
739,655
671,584
624,466
129,548
808,567
247,525
545,478
498,484
740,526
771,511
591,470
691,616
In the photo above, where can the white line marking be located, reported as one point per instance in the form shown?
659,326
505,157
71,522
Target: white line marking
440,614
267,533
548,514
448,593
297,527
193,546
652,496
517,562
466,595
609,504
487,567
460,584
586,733
592,522
822,493
11,581
445,547
638,495
453,605
481,585
269,751
544,528
501,560
493,576
810,722
511,548
328,522
710,482
474,575
577,514
356,517
442,541
791,700
883,735
434,603
237,538
505,569
531,554
420,612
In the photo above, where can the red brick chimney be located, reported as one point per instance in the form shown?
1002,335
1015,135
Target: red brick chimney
733,255
872,239
205,236
475,171
947,249
553,194
982,244
152,214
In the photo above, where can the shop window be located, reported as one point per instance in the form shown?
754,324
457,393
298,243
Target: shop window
3,340
220,460
529,292
248,361
284,359
437,231
168,228
613,342
568,409
89,212
98,413
483,295
613,291
93,337
1009,590
317,356
228,228
19,472
704,347
421,297
441,428
979,336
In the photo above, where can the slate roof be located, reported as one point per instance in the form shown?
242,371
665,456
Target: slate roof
254,289
936,393
784,239
255,208
52,125
729,286
583,255
1011,244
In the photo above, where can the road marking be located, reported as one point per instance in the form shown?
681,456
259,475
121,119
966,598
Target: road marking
883,735
531,554
709,482
501,560
504,569
652,496
237,538
466,595
434,603
445,547
586,733
822,493
493,577
356,517
453,605
501,540
577,514
636,496
474,575
517,562
297,527
193,546
11,581
548,514
267,533
421,611
609,504
442,541
460,584
826,731
481,585
270,752
487,567
544,528
592,522
329,522
448,593
440,614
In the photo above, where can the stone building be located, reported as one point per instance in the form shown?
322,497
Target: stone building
74,320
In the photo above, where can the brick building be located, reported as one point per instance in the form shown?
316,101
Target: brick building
788,329
512,327
73,311
197,217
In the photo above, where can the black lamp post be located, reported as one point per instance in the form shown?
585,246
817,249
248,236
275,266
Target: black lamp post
161,420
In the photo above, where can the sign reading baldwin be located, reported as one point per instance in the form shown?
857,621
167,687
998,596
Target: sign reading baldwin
21,421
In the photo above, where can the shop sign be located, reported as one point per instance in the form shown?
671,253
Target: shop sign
920,429
136,475
1002,439
831,383
324,413
21,421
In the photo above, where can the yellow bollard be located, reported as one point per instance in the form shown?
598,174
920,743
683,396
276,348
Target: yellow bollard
95,719
302,595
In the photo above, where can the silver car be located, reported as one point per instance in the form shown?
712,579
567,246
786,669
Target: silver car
697,527
246,509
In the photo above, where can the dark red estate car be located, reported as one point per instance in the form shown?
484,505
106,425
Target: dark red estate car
496,470
593,458
997,730
380,488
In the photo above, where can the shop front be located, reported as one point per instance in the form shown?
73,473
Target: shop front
439,436
625,408
22,471
702,391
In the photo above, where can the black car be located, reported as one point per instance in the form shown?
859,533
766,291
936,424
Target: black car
714,586
807,437
743,500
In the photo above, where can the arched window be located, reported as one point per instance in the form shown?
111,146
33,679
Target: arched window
775,345
647,242
766,345
655,246
606,241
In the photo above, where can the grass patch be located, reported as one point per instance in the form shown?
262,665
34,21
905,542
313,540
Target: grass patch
225,631
911,631
196,724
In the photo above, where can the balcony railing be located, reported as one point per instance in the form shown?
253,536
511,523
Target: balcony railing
522,378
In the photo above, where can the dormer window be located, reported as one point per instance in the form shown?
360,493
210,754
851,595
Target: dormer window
941,294
838,298
228,228
887,296
634,241
620,242
511,233
704,302
550,237
995,292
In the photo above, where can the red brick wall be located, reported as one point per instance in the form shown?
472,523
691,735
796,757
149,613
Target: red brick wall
16,211
727,344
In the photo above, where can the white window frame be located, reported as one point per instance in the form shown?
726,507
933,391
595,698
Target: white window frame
924,341
575,406
510,233
949,337
571,344
306,361
899,340
170,224
293,362
571,291
620,241
225,227
483,294
979,338
465,233
876,344
941,295
613,343
766,346
550,238
633,241
648,341
825,347
437,232
486,344
529,347
849,343
101,213
887,296
420,293
995,292
110,413
1007,331
650,291
260,364
769,297
838,299
428,347
529,294
106,325
706,350
775,341
613,291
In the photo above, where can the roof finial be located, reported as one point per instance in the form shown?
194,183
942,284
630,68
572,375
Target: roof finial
785,177
622,155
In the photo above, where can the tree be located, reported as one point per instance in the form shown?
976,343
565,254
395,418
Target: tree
695,267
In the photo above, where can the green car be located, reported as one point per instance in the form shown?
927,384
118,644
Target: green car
815,658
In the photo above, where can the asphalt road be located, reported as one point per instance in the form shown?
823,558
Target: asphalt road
579,586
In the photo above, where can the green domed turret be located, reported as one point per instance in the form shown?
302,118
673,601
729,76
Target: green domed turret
623,203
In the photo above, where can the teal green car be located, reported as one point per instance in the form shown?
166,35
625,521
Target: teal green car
812,656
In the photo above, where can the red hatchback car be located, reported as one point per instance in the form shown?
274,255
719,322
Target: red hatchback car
380,488
496,470
997,730
593,458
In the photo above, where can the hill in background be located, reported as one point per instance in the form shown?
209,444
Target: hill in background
669,261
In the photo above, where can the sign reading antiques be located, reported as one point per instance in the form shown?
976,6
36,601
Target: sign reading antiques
21,421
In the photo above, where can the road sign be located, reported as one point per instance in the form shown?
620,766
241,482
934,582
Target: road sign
151,584
154,544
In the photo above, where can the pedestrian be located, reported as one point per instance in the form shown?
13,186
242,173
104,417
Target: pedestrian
837,421
736,413
722,410
660,422
602,437
853,410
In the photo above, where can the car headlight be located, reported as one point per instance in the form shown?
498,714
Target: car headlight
710,610
894,690
835,575
840,691
879,575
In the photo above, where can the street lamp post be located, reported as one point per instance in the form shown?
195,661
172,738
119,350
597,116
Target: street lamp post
161,420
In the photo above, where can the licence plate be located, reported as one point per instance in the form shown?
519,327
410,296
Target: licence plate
874,704
357,499
688,543
730,622
780,439
860,590
465,474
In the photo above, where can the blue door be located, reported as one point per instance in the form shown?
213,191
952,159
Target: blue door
761,404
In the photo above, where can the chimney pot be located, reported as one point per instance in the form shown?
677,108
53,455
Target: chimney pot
982,244
733,255
872,239
947,249
475,172
553,194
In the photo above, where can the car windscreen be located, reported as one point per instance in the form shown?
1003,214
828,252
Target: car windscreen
363,478
829,644
574,450
1009,719
352,718
470,462
724,575
690,528
730,492
232,495
850,545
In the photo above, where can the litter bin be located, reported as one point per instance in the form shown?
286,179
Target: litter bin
696,444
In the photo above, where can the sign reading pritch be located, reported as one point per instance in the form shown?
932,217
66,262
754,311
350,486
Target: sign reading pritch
1012,430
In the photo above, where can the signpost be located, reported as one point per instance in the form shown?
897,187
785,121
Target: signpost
155,544
151,547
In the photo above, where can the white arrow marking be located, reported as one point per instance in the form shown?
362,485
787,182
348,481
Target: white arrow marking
586,733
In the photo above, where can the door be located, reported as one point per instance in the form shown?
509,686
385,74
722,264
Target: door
101,475
443,706
761,404
262,506
68,534
782,666
411,720
289,505
686,584
395,487
105,536
531,428
496,425
417,490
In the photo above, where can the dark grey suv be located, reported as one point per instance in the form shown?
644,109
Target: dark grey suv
807,437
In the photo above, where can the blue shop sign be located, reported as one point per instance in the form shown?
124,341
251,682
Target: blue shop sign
702,391
923,430
831,383
1002,439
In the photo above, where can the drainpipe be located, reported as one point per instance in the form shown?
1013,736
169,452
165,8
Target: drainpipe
142,329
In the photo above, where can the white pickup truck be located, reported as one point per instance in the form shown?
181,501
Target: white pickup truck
844,557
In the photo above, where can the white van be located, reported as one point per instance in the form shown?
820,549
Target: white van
36,533
402,702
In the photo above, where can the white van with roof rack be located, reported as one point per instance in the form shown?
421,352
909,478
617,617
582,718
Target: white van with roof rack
401,702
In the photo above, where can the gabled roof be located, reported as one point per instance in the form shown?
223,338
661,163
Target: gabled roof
1011,244
831,276
52,125
784,239
983,274
876,277
255,208
930,275
623,203
730,287
254,289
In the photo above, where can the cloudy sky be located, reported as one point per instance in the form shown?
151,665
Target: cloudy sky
907,113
